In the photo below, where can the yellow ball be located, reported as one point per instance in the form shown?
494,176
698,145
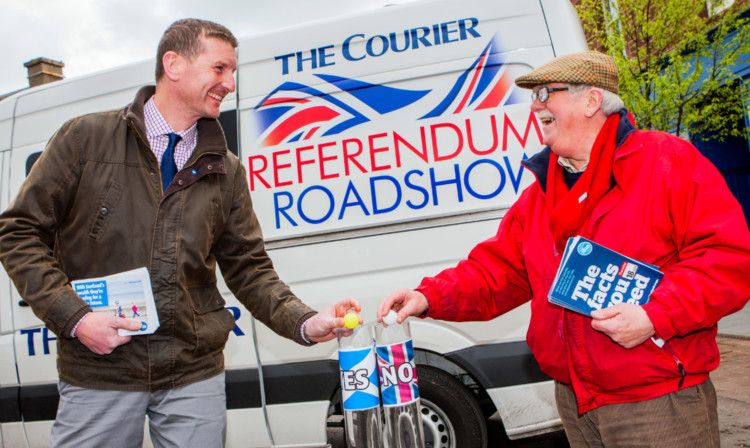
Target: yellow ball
351,320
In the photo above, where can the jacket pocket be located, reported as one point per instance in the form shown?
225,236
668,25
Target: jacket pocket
105,209
211,321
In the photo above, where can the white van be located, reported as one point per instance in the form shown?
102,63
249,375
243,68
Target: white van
380,148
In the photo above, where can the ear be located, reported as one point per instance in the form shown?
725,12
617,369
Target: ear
173,64
594,98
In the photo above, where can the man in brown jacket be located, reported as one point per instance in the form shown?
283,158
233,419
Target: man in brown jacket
150,185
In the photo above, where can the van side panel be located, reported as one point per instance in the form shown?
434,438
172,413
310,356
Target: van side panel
563,25
11,426
406,115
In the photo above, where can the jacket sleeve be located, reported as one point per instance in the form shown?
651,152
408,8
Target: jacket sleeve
249,272
28,228
710,277
490,282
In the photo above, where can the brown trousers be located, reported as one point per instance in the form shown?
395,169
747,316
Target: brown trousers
683,419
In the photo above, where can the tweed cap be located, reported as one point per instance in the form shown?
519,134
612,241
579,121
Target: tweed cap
590,68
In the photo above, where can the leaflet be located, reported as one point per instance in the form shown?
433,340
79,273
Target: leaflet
127,294
592,277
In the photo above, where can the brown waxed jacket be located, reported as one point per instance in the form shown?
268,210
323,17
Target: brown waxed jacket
93,206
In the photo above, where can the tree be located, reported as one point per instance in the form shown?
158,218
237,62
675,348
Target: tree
675,62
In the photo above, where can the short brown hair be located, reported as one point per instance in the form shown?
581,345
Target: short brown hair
184,38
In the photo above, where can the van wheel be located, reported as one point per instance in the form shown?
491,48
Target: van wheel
451,416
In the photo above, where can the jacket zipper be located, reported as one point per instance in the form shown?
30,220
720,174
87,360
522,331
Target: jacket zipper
677,361
682,371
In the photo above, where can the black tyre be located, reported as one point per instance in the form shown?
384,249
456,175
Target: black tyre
451,416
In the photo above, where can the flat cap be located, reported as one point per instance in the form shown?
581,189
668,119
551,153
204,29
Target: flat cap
590,68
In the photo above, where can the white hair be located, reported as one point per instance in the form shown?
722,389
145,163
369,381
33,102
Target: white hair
611,102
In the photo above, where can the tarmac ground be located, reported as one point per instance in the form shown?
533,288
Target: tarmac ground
732,379
732,382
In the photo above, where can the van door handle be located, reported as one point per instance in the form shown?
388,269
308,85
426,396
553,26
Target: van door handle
23,303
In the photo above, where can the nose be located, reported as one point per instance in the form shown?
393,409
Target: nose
537,105
228,82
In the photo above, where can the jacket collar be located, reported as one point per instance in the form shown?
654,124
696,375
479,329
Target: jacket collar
539,162
210,134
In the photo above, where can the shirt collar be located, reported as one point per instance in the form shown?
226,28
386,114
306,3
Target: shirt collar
565,163
157,125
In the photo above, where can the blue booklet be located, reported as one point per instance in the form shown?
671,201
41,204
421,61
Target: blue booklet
592,277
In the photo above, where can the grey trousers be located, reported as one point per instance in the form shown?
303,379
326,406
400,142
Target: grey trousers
189,416
684,419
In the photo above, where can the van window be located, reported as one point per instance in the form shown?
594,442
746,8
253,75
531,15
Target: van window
31,161
228,122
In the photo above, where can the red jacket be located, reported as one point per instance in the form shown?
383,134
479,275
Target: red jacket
670,207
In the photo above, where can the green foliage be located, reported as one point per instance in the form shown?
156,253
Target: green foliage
675,64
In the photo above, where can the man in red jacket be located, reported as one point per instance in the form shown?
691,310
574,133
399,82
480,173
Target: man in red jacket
633,375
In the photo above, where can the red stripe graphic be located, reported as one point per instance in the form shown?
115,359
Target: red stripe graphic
498,92
272,101
471,86
311,132
399,357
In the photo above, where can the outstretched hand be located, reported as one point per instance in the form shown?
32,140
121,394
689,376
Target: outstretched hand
321,327
98,332
406,302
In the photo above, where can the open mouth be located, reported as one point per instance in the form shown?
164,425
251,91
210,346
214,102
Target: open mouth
546,119
215,96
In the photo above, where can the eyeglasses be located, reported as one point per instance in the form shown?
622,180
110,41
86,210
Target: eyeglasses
543,93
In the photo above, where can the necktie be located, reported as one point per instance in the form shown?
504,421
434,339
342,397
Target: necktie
168,165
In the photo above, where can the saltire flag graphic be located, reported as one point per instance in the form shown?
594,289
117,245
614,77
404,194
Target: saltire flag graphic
359,379
296,112
398,374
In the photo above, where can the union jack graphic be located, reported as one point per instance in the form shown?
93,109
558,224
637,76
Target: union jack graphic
398,375
297,112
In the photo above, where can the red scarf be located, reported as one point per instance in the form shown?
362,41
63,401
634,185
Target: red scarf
569,209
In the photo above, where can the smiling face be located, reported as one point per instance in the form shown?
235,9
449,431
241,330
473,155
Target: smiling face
204,82
563,119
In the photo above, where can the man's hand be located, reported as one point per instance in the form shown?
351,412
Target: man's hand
98,332
321,327
405,302
625,323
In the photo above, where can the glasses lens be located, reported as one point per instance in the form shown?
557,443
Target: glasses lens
543,94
